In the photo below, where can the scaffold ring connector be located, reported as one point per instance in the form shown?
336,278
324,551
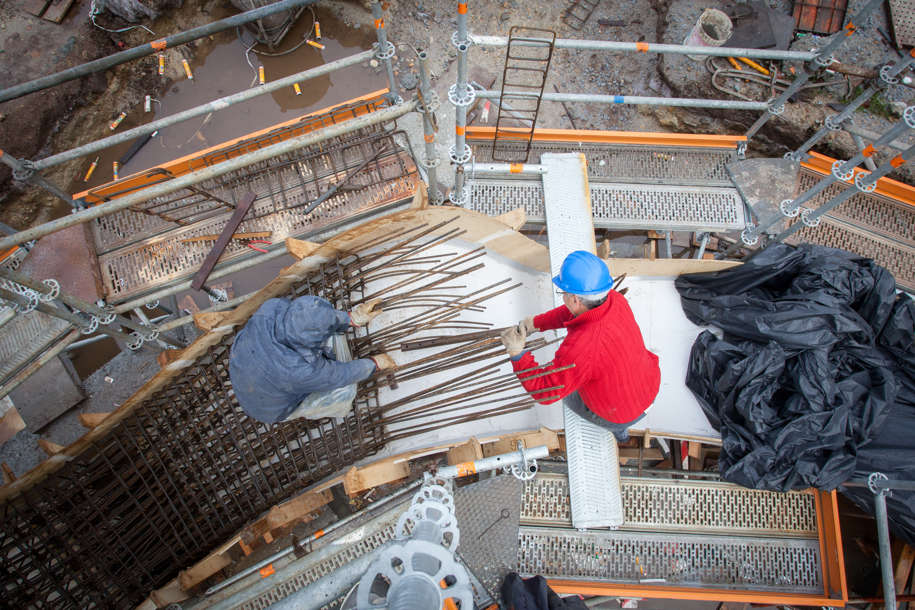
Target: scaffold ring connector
152,304
742,149
872,482
824,60
788,208
462,198
792,156
433,102
91,326
384,53
832,123
749,236
776,109
909,116
430,163
32,296
840,173
886,77
465,155
464,98
864,184
809,219
53,293
459,43
437,198
137,342
107,319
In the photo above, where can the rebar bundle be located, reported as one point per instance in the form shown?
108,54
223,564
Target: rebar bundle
186,468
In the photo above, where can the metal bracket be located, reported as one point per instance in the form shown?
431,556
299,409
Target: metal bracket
872,479
387,53
464,98
861,185
749,236
217,295
788,208
839,172
526,470
741,150
53,294
805,218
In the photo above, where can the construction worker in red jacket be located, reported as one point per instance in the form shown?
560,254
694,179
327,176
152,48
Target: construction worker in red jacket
614,378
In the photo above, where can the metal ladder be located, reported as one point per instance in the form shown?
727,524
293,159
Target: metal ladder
578,13
527,62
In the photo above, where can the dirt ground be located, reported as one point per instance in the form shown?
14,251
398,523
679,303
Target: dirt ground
63,116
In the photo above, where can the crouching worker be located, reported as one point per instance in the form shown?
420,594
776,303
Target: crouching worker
281,365
614,378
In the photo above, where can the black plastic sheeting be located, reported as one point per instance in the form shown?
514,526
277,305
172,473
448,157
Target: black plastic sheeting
813,382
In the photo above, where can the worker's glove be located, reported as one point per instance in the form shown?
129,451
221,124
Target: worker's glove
364,313
528,325
513,338
383,362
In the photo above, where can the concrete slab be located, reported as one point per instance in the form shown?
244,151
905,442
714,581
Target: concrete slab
67,256
764,184
47,394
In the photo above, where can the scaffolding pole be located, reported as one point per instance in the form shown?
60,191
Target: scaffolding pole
430,104
23,172
213,171
384,51
156,46
461,95
888,74
214,106
595,98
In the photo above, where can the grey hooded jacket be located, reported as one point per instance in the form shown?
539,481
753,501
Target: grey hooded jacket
279,357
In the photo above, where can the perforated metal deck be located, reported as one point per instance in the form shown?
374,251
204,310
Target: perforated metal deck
867,224
139,251
708,534
25,337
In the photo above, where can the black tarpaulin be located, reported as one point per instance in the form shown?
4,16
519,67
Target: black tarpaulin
814,368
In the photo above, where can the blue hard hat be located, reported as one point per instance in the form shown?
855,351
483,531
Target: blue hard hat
583,273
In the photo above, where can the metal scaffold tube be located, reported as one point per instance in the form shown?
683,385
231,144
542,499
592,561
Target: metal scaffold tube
149,48
213,171
651,47
593,98
461,95
214,106
888,76
822,58
385,51
430,104
23,171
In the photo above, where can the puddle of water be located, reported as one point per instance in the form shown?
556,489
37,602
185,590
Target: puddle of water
220,69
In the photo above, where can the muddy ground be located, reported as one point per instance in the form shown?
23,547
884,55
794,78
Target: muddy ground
77,112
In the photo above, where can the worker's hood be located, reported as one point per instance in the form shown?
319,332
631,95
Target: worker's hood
307,322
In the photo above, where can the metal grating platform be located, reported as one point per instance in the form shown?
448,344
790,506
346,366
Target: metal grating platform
140,265
25,337
667,505
623,206
867,224
702,533
785,565
902,13
635,163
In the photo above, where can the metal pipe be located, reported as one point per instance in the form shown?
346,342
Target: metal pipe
170,186
863,183
594,98
149,48
214,106
880,483
25,173
494,462
320,533
77,303
651,47
430,103
507,168
886,555
461,95
97,338
385,51
702,244
822,58
873,135
859,144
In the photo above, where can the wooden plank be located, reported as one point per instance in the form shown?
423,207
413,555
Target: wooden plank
243,235
904,567
470,451
91,420
209,320
373,475
58,10
509,443
664,267
210,261
297,508
514,219
167,356
49,447
300,248
200,571
11,422
8,475
35,7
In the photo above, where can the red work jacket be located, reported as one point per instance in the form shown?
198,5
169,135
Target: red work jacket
614,373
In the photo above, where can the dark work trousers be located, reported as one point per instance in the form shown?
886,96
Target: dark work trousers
620,431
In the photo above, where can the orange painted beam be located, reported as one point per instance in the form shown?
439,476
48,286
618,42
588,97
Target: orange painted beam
581,587
610,137
189,163
904,193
